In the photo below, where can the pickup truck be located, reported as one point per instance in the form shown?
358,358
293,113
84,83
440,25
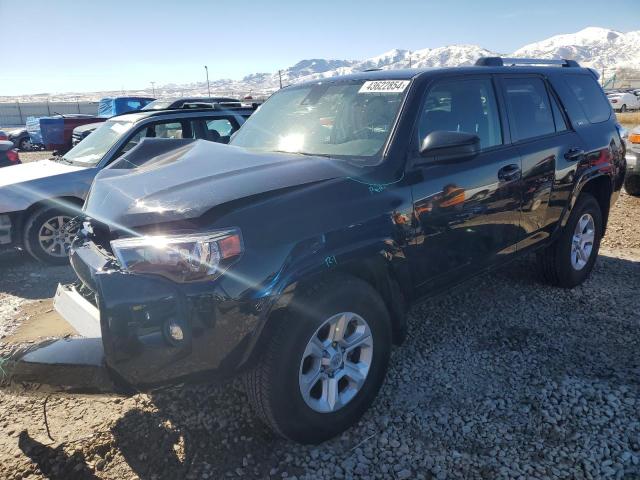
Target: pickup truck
289,258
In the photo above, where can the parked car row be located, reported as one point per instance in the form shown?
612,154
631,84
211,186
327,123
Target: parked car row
26,192
61,132
623,101
82,132
290,256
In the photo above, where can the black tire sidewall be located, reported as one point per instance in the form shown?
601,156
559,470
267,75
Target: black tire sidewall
632,185
294,417
31,232
568,275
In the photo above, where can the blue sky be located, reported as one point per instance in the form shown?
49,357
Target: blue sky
64,45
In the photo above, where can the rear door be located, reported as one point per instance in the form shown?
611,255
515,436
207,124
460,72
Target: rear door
466,212
540,131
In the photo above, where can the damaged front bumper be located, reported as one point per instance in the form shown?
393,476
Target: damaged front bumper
141,331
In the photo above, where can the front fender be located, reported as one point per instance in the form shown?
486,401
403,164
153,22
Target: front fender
379,261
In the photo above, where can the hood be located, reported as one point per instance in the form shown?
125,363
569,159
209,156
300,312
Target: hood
23,185
17,132
188,181
34,170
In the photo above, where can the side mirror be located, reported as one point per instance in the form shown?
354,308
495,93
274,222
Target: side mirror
6,145
447,146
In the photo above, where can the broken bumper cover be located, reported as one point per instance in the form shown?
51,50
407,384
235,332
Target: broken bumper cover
75,364
71,363
127,323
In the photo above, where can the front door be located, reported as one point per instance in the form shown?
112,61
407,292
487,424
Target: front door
466,213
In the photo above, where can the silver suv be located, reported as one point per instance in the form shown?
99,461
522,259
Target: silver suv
39,199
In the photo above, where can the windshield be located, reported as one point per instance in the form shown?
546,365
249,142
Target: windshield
91,150
346,120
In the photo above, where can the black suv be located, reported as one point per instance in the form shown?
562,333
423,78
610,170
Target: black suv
292,258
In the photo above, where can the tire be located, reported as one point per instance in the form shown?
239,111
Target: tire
37,225
275,385
559,265
24,145
632,185
623,109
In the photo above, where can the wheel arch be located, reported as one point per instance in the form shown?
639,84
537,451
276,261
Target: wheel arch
391,280
601,189
595,183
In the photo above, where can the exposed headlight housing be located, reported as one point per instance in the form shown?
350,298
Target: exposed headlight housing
181,258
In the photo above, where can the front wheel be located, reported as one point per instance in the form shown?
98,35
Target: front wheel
25,144
324,361
47,236
632,185
623,109
569,260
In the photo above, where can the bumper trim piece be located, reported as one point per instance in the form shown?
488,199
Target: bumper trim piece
75,364
83,316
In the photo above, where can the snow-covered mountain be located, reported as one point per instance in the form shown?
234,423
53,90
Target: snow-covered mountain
593,46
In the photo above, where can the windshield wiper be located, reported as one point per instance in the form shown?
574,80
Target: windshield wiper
61,159
306,154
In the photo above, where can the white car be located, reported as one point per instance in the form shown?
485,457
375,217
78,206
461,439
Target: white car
623,101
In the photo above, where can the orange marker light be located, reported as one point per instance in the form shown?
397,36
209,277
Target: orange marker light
230,246
634,138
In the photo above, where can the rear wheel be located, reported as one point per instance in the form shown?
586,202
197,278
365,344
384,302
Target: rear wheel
324,362
569,260
47,236
632,185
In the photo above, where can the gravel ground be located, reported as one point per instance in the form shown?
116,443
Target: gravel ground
502,378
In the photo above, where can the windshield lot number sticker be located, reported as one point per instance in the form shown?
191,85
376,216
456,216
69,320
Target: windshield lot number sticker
384,86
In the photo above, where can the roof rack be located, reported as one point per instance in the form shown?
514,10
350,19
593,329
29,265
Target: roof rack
502,62
212,105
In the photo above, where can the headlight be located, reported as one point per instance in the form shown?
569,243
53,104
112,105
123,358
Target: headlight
182,258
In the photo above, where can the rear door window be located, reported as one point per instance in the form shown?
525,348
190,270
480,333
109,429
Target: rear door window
589,94
528,108
220,129
558,117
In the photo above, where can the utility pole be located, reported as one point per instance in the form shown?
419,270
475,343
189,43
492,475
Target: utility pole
153,88
208,87
409,58
280,77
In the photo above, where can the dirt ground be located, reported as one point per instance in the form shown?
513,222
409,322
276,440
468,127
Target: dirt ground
504,378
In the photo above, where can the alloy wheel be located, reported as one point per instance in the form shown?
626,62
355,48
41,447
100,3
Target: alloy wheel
582,241
336,362
25,145
53,236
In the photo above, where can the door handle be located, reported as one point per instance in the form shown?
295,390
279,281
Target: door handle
508,173
574,153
